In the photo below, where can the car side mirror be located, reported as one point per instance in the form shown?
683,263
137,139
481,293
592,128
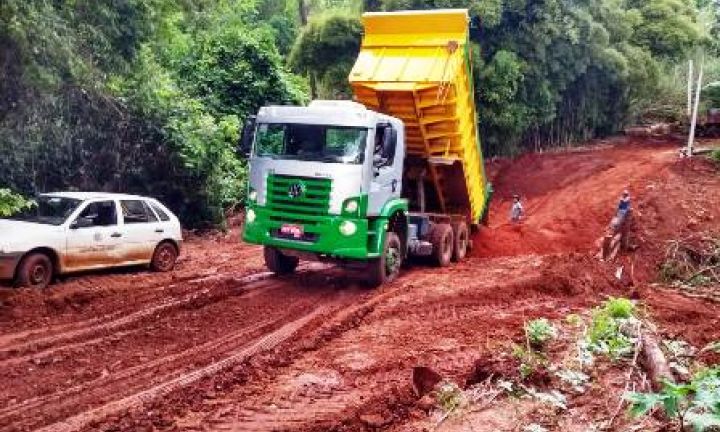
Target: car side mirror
81,222
246,137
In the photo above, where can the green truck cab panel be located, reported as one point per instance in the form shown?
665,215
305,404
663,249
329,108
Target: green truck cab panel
321,236
380,224
390,207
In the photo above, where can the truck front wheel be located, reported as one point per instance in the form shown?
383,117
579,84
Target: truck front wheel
387,267
278,262
441,238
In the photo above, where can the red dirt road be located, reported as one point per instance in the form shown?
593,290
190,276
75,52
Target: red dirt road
222,345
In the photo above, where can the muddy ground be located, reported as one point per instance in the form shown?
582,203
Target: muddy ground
220,344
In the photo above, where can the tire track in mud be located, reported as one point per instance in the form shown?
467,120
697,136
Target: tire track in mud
62,401
237,356
117,321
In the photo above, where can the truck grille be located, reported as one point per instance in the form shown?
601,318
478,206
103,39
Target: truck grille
301,200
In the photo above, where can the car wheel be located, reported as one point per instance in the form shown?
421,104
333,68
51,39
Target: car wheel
35,271
278,262
441,238
387,267
164,258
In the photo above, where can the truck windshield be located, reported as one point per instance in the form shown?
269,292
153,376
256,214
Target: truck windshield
50,210
320,143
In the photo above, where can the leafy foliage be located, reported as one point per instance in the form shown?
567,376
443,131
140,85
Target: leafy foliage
11,203
539,332
696,403
142,96
605,333
326,50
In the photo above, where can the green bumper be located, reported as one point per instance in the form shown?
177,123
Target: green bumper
324,232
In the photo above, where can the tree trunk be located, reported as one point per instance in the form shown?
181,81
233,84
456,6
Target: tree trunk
303,11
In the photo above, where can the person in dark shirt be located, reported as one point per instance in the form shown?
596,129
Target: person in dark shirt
624,205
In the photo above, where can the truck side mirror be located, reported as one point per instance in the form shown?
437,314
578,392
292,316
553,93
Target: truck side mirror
246,138
389,144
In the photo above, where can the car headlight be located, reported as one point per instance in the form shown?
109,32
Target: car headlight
252,196
348,228
351,206
250,216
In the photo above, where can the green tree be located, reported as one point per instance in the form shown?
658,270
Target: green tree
325,51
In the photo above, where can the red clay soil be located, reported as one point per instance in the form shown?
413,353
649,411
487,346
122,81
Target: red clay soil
222,345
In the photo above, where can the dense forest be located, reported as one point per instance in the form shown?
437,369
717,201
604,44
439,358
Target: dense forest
147,96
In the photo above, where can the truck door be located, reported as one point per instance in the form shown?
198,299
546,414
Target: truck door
387,168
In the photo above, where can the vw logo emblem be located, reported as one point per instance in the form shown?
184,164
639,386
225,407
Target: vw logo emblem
295,190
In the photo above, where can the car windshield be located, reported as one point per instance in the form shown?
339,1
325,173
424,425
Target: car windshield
50,210
320,143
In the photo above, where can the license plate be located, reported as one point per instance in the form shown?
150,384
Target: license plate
294,231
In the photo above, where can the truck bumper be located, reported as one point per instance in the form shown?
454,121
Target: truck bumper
322,236
8,264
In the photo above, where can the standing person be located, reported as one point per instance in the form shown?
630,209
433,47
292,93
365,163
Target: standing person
623,205
516,211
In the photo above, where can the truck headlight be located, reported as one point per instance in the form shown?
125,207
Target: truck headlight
252,196
250,216
348,228
351,206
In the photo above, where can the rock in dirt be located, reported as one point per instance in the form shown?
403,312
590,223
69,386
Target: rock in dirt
424,380
375,420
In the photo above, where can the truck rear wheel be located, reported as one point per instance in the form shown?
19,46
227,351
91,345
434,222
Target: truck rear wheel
278,262
441,238
462,240
387,267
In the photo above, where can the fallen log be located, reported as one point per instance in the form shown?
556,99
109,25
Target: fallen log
654,362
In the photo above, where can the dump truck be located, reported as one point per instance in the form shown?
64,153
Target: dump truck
395,173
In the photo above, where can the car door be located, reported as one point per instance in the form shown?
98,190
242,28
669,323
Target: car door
141,230
93,237
168,226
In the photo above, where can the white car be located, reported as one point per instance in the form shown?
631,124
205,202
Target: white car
73,231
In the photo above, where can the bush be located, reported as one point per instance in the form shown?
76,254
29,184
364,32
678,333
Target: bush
696,403
715,156
11,203
539,332
619,307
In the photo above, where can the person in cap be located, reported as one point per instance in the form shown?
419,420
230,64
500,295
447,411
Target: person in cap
624,204
516,211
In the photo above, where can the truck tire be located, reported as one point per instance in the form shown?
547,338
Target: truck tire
461,241
387,267
278,262
441,238
35,271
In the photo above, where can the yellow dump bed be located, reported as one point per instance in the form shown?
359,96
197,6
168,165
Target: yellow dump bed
415,65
